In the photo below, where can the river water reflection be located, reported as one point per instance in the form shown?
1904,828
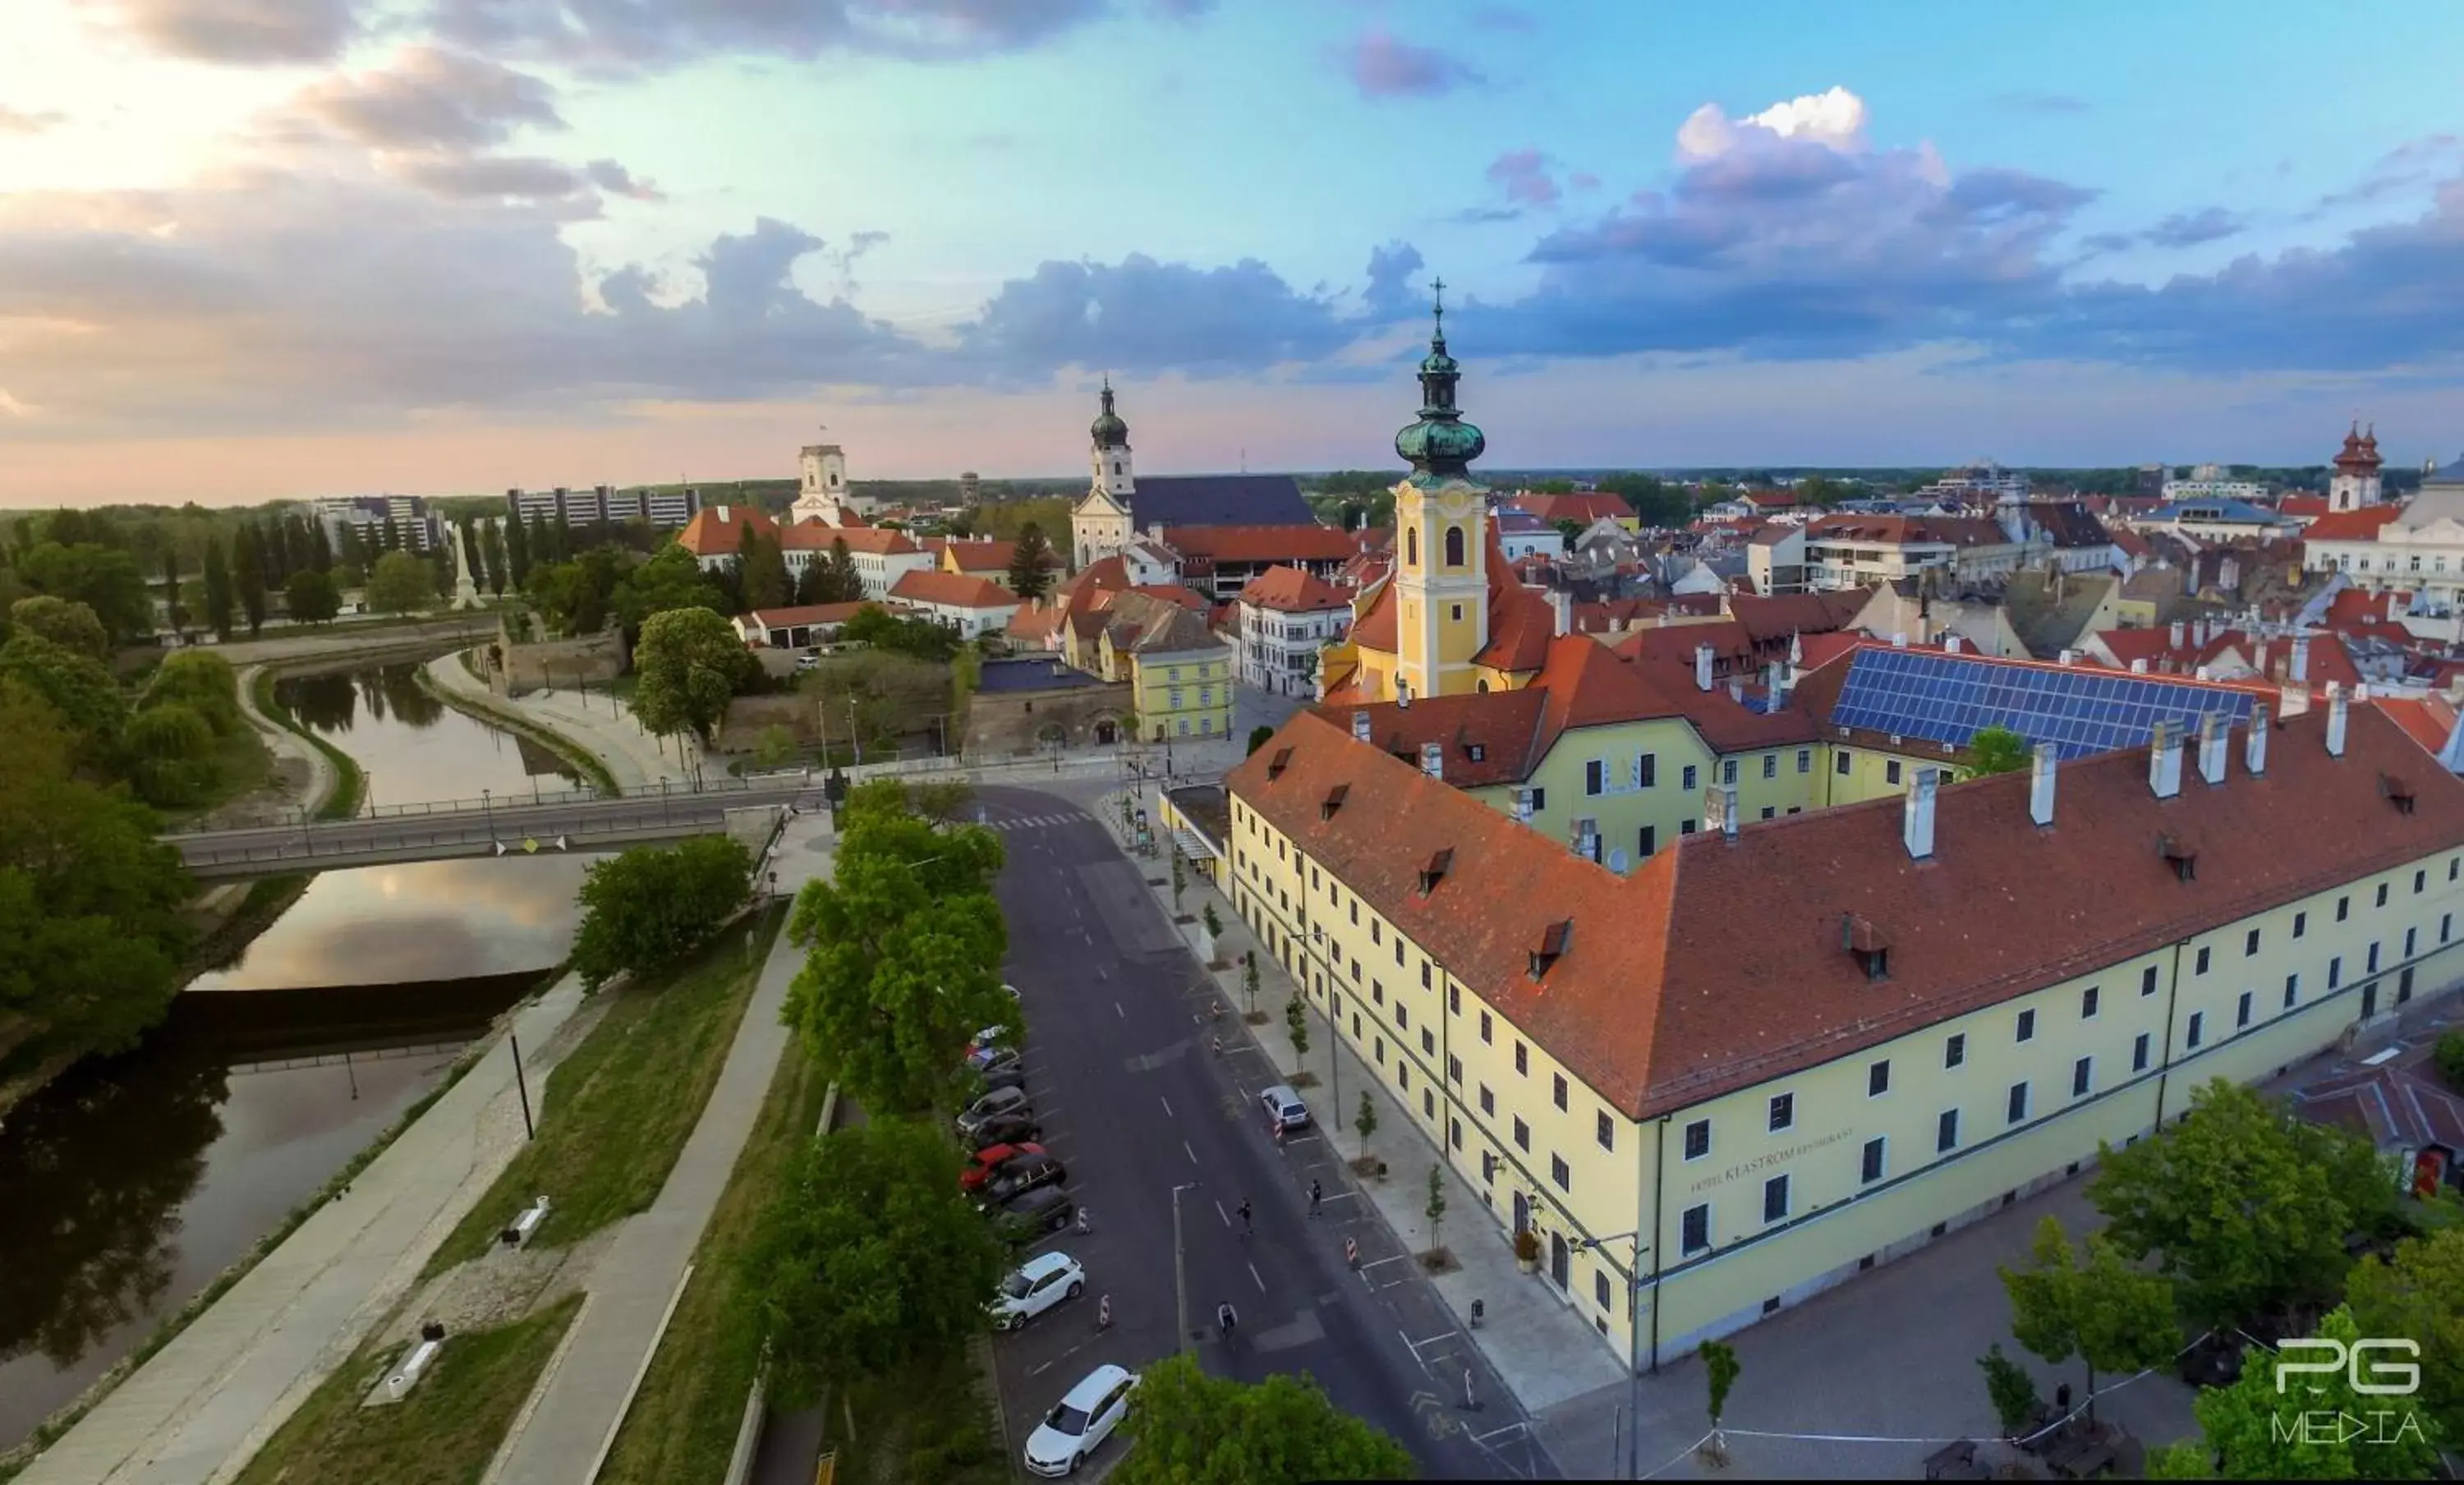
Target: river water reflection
129,1183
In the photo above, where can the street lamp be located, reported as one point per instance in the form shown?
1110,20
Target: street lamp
1634,1353
1180,1268
487,812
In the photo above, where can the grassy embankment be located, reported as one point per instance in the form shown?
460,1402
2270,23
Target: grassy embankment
621,1105
581,760
443,1433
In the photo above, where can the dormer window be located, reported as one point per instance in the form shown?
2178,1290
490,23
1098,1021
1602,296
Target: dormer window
1553,942
1867,945
1333,802
1475,751
1435,871
1276,765
2397,792
2182,856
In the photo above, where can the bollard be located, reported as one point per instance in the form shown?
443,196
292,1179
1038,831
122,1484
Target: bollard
1351,1252
1084,1221
1478,1311
1279,1134
1104,1313
1471,1404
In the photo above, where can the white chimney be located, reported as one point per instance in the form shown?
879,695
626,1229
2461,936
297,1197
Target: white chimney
1916,829
2300,670
2336,710
1432,760
1950,643
1898,641
1736,688
1360,726
2040,784
2203,672
2255,752
1720,804
1775,682
1523,805
1403,691
1562,604
1796,646
2181,634
1701,667
2068,657
2139,667
2211,747
2165,760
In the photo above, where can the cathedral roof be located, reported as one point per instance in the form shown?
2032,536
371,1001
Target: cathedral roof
1219,500
1107,430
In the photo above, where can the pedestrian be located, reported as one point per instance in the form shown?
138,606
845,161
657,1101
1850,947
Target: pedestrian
1246,1226
1317,1194
1226,1320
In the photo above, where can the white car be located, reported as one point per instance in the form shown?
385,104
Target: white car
1080,1421
1036,1286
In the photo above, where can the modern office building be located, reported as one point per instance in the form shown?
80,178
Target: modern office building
369,516
666,510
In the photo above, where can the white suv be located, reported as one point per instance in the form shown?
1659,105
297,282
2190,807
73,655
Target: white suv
1036,1286
1080,1421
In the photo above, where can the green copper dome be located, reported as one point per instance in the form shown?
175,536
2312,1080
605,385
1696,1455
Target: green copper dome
1107,430
1440,445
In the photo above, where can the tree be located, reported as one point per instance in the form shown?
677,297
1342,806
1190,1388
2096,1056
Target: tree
248,576
1259,737
922,638
2419,1293
842,583
78,690
102,578
1366,1121
1214,924
672,579
218,589
2247,1207
1436,1209
647,907
1296,1020
1030,563
1187,1428
491,540
172,615
71,625
518,549
2011,1389
772,746
1998,751
1179,880
575,596
171,755
2315,1428
1249,980
689,665
2450,1058
204,683
762,567
2112,1316
868,1257
311,597
400,584
1720,1368
811,582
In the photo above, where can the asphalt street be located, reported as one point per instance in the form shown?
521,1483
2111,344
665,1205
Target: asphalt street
1134,1101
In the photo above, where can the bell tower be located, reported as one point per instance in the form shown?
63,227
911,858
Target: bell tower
2356,480
1100,524
1442,531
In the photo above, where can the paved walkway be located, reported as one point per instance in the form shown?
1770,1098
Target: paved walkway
198,1409
595,722
283,742
574,1414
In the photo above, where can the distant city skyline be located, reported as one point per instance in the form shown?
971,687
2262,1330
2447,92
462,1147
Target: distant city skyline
303,248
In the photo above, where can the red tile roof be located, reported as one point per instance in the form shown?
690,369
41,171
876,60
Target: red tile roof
1292,591
1952,530
1781,615
988,556
1582,507
1260,543
1658,1002
2352,525
1504,726
814,536
803,614
1174,592
952,589
718,530
2303,505
2428,721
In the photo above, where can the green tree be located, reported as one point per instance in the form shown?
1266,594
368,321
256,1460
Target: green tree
575,596
812,583
688,666
172,617
2314,1427
78,688
840,582
2011,1389
762,569
1366,1121
1296,1022
400,584
1030,562
103,578
248,576
867,1258
1180,879
920,638
647,907
71,626
311,597
672,579
2419,1293
1214,924
2112,1316
218,589
491,542
773,746
2247,1207
2450,1058
1186,1427
1997,750
518,549
1249,981
1720,1369
1435,1209
201,681
171,755
1259,737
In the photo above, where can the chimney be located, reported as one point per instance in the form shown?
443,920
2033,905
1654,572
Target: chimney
1523,805
1949,642
1796,646
1562,604
2338,710
2181,634
1402,693
1898,641
2165,760
2255,752
1701,667
2067,657
2211,747
1432,760
1720,805
1736,688
2301,671
2139,667
2040,786
1360,726
1917,828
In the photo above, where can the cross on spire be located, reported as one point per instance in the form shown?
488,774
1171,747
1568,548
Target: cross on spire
1439,288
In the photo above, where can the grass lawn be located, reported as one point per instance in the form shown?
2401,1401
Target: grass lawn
684,1420
621,1105
444,1433
930,1423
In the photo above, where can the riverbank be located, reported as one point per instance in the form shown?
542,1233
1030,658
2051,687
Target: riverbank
446,678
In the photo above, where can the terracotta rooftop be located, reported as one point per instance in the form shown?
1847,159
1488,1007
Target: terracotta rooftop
1783,614
813,536
2352,525
803,614
1657,999
1501,728
718,530
1260,543
2428,721
1292,591
1582,507
1188,598
1952,531
952,590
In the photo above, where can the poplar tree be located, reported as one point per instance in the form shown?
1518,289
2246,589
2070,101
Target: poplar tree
248,576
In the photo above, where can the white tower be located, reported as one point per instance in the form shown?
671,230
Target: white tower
824,489
1101,525
2356,480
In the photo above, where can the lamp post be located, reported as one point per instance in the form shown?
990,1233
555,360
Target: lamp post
1634,1352
1333,1026
1180,1268
487,812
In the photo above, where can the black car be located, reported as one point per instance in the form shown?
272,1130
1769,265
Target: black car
1021,1174
1010,1128
1008,1076
1048,1209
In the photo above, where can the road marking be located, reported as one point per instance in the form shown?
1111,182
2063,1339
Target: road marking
1167,1105
1374,1262
1186,1150
1416,1355
1101,975
1119,1012
1225,1215
1253,1276
1338,1196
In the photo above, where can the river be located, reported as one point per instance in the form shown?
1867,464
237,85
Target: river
129,1183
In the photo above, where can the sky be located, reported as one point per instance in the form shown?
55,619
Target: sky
264,249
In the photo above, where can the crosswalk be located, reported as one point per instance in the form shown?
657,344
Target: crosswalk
1036,822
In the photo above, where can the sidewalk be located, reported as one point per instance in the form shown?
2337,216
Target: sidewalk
284,743
1534,1341
571,1421
598,725
199,1407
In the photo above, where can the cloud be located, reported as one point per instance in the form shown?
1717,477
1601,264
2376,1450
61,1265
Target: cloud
2190,229
2409,164
627,35
2031,101
1835,118
19,121
243,32
617,181
1183,10
1144,317
1523,175
1391,269
430,98
1583,179
1383,66
492,176
1503,17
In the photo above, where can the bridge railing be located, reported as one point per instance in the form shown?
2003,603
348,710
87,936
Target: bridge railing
315,840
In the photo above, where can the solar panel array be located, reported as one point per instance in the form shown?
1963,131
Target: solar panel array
1949,698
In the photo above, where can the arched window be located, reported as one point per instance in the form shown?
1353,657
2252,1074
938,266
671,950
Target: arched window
1117,466
1454,546
1411,547
1484,687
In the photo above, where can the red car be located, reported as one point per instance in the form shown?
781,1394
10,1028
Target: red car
991,1157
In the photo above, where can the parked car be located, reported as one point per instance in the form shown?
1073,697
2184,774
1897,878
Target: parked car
998,1101
808,660
991,1060
1009,1075
1011,990
1285,1109
989,1036
1024,1174
1029,1214
991,1157
1080,1421
1036,1286
1011,1128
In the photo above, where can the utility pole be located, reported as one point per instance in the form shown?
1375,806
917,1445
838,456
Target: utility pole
1179,1268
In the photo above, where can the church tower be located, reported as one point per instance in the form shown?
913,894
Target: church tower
1442,534
2356,480
1100,524
824,489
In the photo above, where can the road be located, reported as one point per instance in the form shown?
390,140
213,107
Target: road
1134,1100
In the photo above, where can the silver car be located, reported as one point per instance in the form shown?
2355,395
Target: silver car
1285,1109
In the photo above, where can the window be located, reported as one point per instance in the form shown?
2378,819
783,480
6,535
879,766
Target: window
1770,765
2301,924
1783,1112
1775,1199
2082,1071
1486,1026
1522,1134
1454,1131
2027,1025
2148,981
2409,935
1870,1171
1946,1131
2344,908
1694,1230
1539,800
2250,943
1805,760
1768,811
2292,991
1891,771
2374,959
1560,1092
1488,1099
1454,546
1647,842
2139,1053
1840,763
2335,971
1878,1079
1727,770
2018,1102
1454,1067
1698,1139
1594,776
2199,965
1954,1051
1521,1059
2382,896
1600,1290
2241,1012
1428,1043
2198,1028
1647,771
2087,1004
1685,826
1561,1173
1691,775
